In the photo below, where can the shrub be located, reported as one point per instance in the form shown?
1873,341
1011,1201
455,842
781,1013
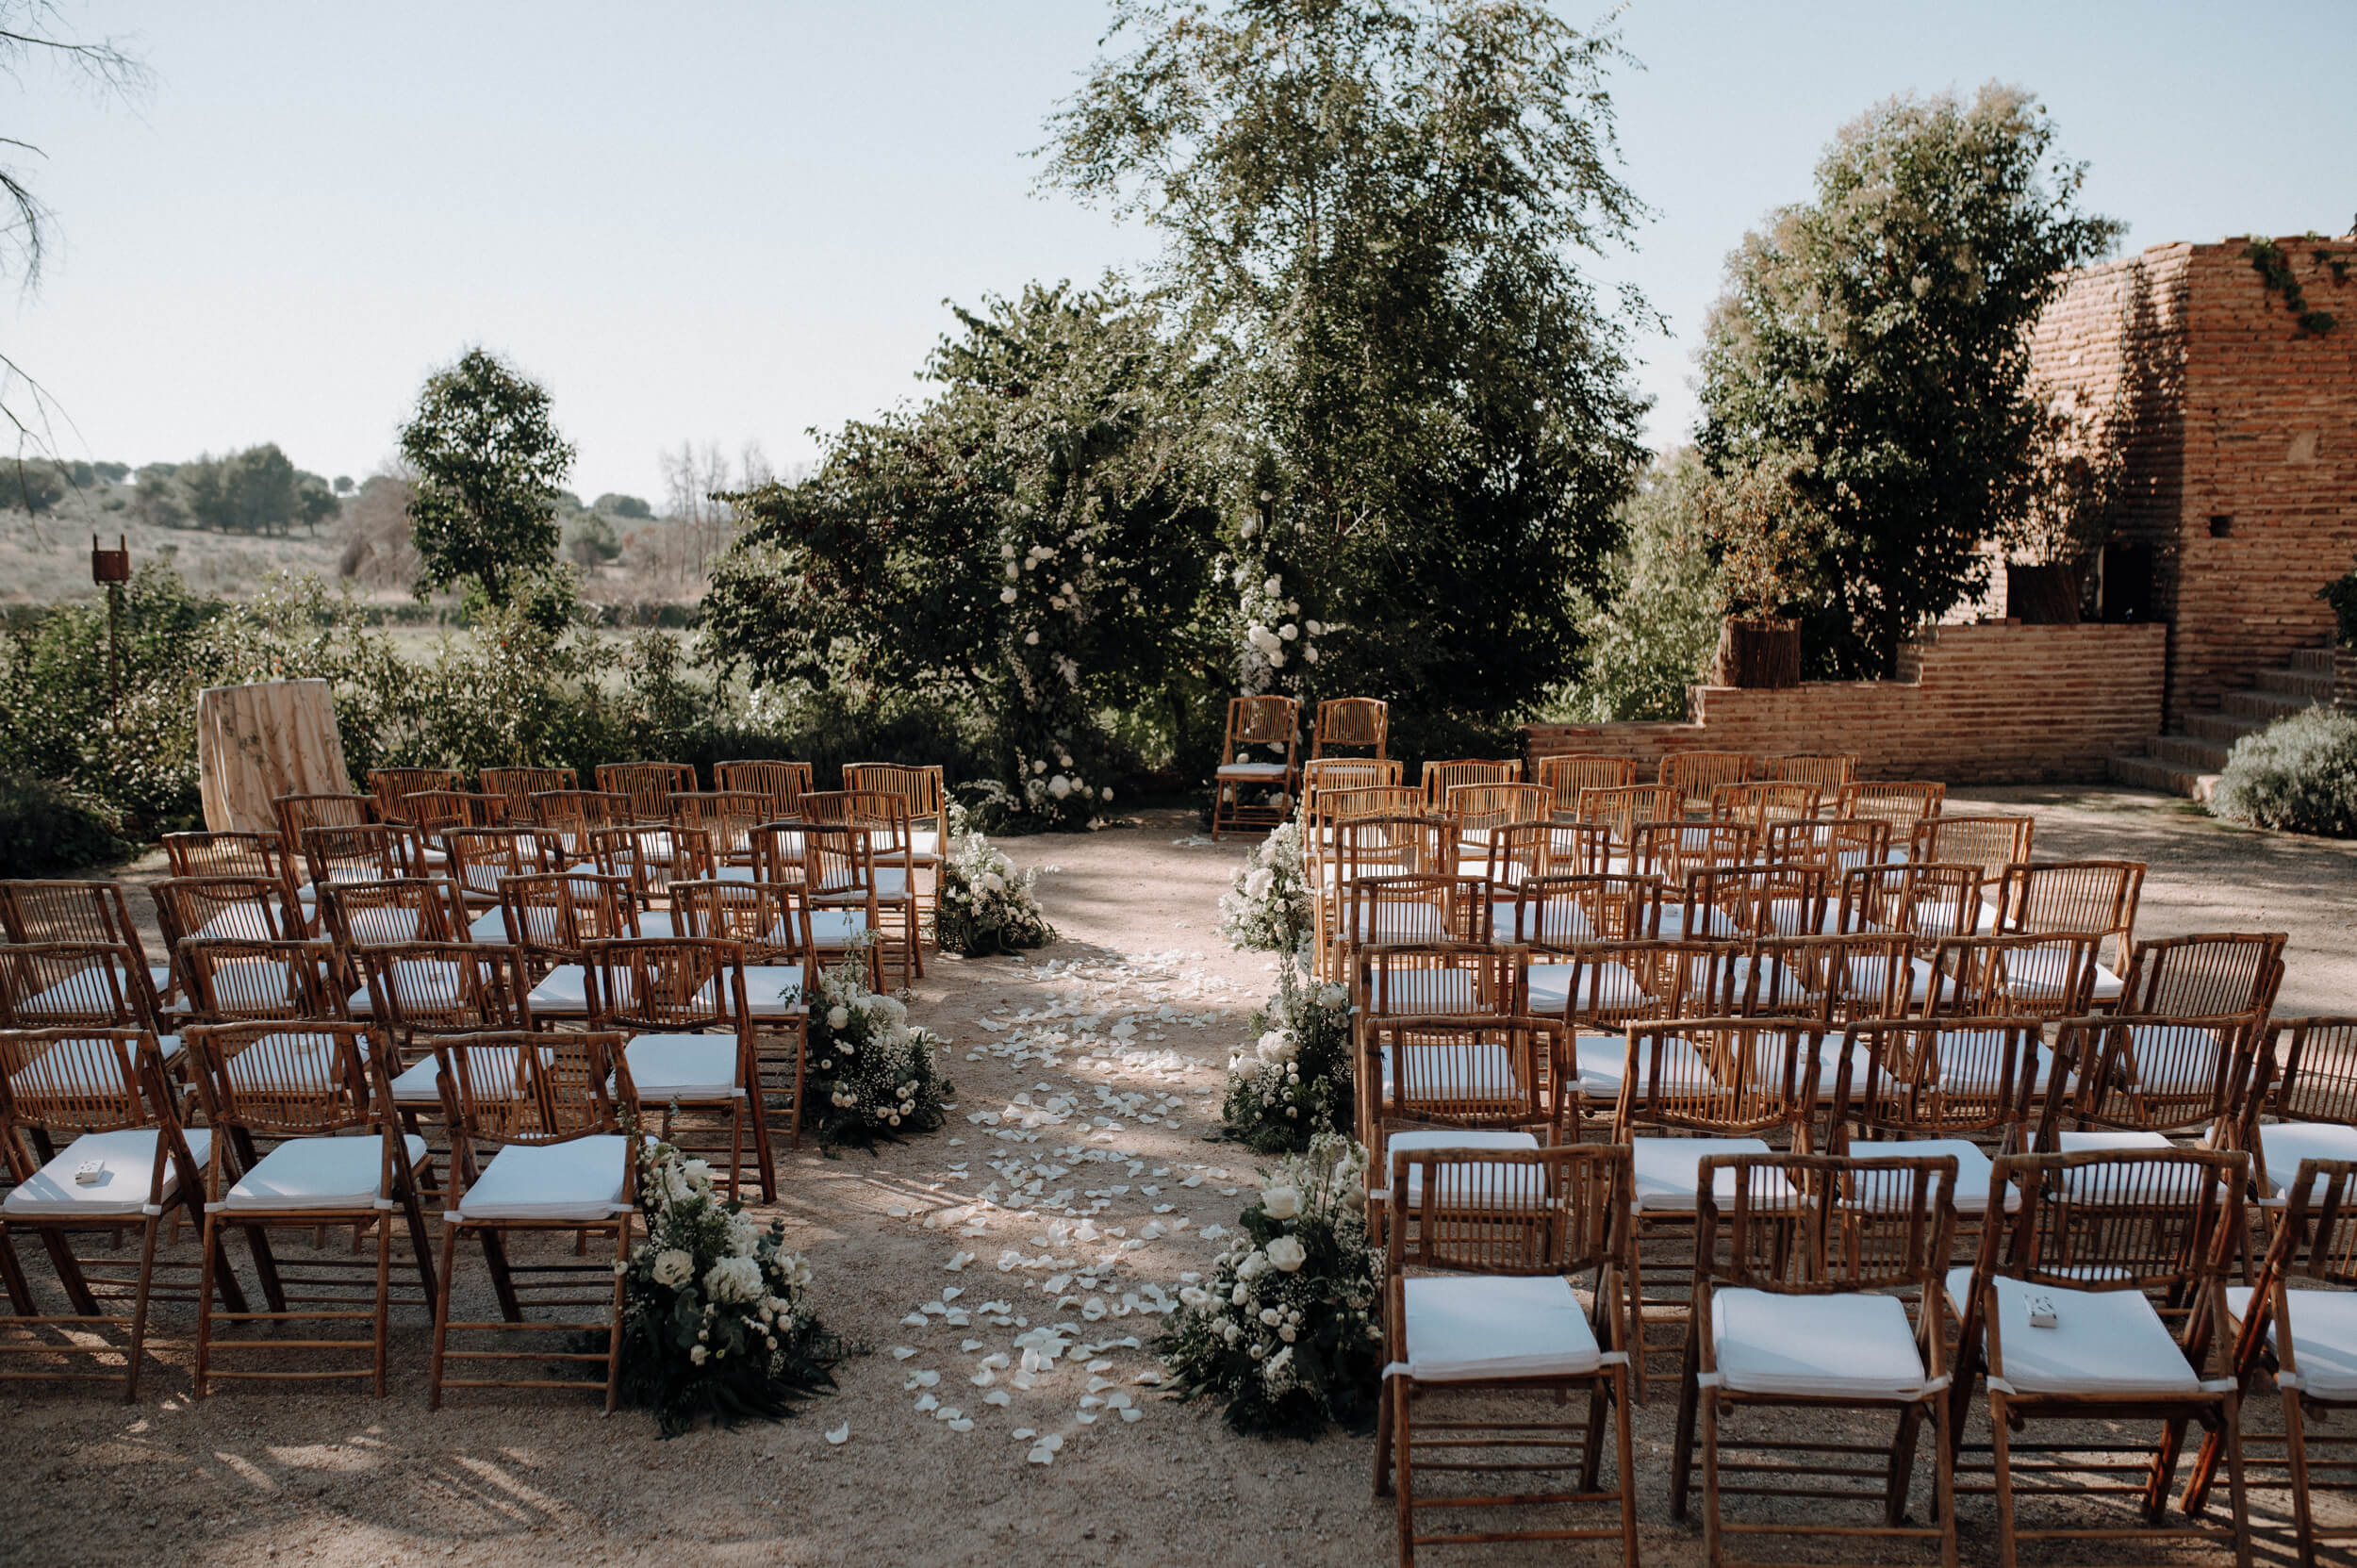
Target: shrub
2299,774
45,827
2341,593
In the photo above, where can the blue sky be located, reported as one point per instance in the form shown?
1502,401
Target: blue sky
735,222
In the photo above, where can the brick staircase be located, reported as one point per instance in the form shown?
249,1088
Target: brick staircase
2188,763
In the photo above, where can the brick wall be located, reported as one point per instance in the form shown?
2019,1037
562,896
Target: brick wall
1999,704
2240,435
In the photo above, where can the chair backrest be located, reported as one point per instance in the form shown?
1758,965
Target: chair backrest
1900,804
1392,846
1516,851
244,981
1461,979
650,857
227,855
1927,900
1992,843
924,788
1732,1077
1461,1071
1760,802
1440,777
1482,806
1839,844
1624,808
1561,911
2154,1220
2049,976
393,787
778,850
728,815
1961,1078
480,857
838,862
1613,984
36,910
2219,975
573,814
1828,771
666,985
2317,1080
435,812
1695,775
53,985
2317,1238
1816,1225
880,813
1351,721
782,782
518,1087
1560,1211
298,813
517,786
1322,776
1271,723
1675,850
1815,976
198,908
552,916
1569,776
444,987
402,909
305,1078
1339,804
2145,1073
375,852
1753,900
769,920
69,1082
1409,908
2097,896
648,786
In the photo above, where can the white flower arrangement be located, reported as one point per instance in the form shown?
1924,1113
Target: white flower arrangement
1044,797
1285,1331
986,906
1292,1082
1266,908
717,1316
871,1074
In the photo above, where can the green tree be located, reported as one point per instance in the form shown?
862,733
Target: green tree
1377,204
1872,347
490,465
622,507
1652,620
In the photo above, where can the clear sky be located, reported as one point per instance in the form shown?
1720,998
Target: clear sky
735,222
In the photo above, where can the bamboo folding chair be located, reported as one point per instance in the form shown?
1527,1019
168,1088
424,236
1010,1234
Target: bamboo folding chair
380,851
781,859
1968,1089
2218,975
1757,803
1731,903
1624,808
1482,810
1827,977
560,1115
1559,912
681,1002
303,1085
882,817
1442,1077
839,877
1692,1088
437,813
201,908
782,782
1520,851
517,786
238,981
393,787
1407,910
1901,804
300,812
650,858
126,1164
1827,771
1510,1228
574,814
229,854
1675,850
2097,896
551,921
62,984
2140,1078
2043,976
1258,727
408,908
1836,844
1571,777
1439,777
771,923
1351,721
926,791
419,992
1425,981
2106,1248
1927,901
647,786
1336,806
1795,1271
2295,1315
1604,986
91,913
480,858
1995,844
1695,775
1323,776
727,817
1388,845
2310,1088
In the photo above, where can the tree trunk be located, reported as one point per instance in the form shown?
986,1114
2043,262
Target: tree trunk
1758,653
2042,595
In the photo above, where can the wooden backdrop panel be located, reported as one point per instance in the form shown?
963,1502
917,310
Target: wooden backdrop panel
258,742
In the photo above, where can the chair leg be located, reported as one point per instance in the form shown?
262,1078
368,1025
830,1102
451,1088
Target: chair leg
613,1333
139,1309
2230,1417
384,1298
1406,1506
12,1273
213,1258
1682,1448
1901,1470
1943,1483
1623,1445
2001,1457
441,1314
1383,1442
1714,1549
2295,1451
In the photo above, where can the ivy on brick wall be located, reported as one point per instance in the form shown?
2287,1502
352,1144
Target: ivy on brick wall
2274,268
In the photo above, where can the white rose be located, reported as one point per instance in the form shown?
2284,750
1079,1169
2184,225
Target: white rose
1006,552
1331,994
839,1017
744,1236
1039,766
1315,628
1060,786
697,1354
991,881
735,1280
1276,660
1248,527
1030,639
672,1267
1309,656
1105,794
1274,587
1281,1202
1289,631
1287,1254
698,1173
1006,596
1254,1263
1256,886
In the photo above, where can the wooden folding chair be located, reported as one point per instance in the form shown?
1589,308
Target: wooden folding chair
1510,1228
420,992
393,787
1759,803
1732,902
204,909
91,913
2218,975
1482,810
378,852
228,854
882,817
574,814
1260,729
2309,1088
771,923
1439,777
2139,1080
782,782
560,1114
517,786
1994,844
1429,979
62,984
2046,976
1404,911
551,920
1571,777
1795,1270
103,1092
1900,804
1828,771
648,786
298,813
926,791
2108,1248
1324,776
236,980
1625,808
727,817
480,858
2097,896
404,909
1559,912
1351,721
1519,852
682,1003
1443,1076
1831,979
302,1085
1675,850
1834,845
1695,775
1926,901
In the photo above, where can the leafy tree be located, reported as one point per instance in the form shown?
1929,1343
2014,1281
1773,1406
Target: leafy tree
34,484
1873,349
1035,540
488,465
113,473
1377,202
591,541
343,484
1652,620
622,507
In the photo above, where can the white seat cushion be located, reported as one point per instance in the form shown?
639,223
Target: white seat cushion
1711,924
420,1084
2181,1184
491,925
2284,1145
1973,1168
1564,923
308,1059
774,991
1399,924
1410,992
1859,1346
1526,1181
2036,975
1604,1063
579,1180
2103,1342
129,1158
2324,1337
1478,1071
563,992
318,1173
694,1068
1602,987
419,982
1463,1328
1249,771
836,929
1669,1172
1779,987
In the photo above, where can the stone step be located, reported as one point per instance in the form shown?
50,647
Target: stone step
2265,705
2313,661
2219,728
2152,773
2189,752
2314,685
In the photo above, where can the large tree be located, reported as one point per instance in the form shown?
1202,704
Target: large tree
488,466
1377,204
1871,353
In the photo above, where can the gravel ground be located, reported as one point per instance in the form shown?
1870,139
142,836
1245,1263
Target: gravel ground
257,1473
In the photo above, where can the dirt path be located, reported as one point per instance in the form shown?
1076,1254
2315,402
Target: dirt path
1132,1015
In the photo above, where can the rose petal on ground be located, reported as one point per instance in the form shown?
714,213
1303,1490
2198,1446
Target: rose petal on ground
840,1435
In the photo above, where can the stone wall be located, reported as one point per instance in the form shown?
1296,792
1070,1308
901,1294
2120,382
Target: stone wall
1998,703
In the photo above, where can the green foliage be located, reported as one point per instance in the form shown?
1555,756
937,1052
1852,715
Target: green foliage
2341,593
624,506
32,484
2299,774
1293,1081
2274,268
1874,346
590,539
1373,205
878,1078
46,829
254,491
490,464
1653,621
